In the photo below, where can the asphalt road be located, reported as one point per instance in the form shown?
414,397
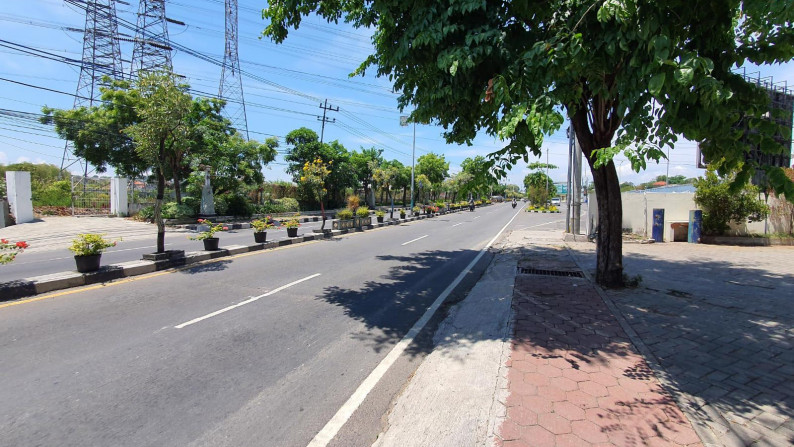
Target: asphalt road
259,349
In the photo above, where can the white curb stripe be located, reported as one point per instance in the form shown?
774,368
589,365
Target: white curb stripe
348,408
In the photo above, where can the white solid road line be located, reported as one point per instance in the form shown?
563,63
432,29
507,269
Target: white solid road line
249,300
478,217
348,408
414,240
461,223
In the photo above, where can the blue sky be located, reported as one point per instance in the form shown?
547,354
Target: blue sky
293,78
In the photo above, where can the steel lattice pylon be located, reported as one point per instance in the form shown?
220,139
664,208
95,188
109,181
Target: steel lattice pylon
231,87
152,50
101,57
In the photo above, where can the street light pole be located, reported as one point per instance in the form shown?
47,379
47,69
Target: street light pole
404,122
413,155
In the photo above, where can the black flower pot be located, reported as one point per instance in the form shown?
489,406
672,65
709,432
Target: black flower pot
292,232
211,243
89,263
380,219
260,237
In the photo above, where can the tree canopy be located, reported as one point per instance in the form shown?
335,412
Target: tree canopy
631,75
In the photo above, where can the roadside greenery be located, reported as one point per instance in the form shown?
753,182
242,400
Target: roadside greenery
722,203
629,78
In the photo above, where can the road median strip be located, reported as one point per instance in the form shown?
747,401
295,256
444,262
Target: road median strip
27,287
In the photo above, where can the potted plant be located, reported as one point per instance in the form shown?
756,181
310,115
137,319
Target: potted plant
402,213
344,220
417,210
362,217
260,227
379,215
292,225
87,249
208,236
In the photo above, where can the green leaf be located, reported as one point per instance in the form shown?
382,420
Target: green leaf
684,76
453,68
656,84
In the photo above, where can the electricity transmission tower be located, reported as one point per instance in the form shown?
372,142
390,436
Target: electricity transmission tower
152,48
231,87
101,57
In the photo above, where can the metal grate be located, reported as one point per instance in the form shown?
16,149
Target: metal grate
534,271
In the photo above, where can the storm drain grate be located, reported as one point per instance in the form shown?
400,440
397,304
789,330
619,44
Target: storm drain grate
533,271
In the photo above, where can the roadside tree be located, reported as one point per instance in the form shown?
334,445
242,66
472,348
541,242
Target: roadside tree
630,75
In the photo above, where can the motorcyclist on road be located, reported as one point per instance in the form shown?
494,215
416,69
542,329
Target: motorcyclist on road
514,202
471,204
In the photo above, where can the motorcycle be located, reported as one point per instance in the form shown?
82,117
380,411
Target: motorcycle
471,207
514,205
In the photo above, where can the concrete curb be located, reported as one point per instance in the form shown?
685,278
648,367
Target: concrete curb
27,287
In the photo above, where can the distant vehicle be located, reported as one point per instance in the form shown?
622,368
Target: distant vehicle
555,201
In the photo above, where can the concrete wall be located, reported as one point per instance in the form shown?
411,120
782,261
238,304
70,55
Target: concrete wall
638,214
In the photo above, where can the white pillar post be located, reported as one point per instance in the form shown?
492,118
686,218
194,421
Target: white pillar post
19,195
118,196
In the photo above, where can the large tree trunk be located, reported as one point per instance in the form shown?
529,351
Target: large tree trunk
177,188
609,243
609,248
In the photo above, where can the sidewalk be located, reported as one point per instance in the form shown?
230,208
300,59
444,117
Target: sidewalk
684,359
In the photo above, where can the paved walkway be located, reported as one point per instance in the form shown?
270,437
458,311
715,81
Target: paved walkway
719,321
574,377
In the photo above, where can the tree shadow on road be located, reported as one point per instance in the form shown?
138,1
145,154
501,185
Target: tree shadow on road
214,266
392,303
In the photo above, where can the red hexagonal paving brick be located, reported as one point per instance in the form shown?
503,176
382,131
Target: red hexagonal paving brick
594,389
539,436
552,393
554,423
510,430
563,383
537,404
522,387
581,399
604,379
589,431
549,371
568,411
522,416
536,379
576,375
571,440
600,417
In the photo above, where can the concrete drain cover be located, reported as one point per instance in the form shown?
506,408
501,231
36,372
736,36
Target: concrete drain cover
534,271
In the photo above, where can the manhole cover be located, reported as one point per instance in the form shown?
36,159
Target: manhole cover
534,271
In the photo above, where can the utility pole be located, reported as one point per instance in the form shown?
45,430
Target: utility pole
324,120
231,87
577,185
404,122
101,57
569,196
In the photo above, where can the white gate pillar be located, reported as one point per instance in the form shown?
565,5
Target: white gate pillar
119,205
19,195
